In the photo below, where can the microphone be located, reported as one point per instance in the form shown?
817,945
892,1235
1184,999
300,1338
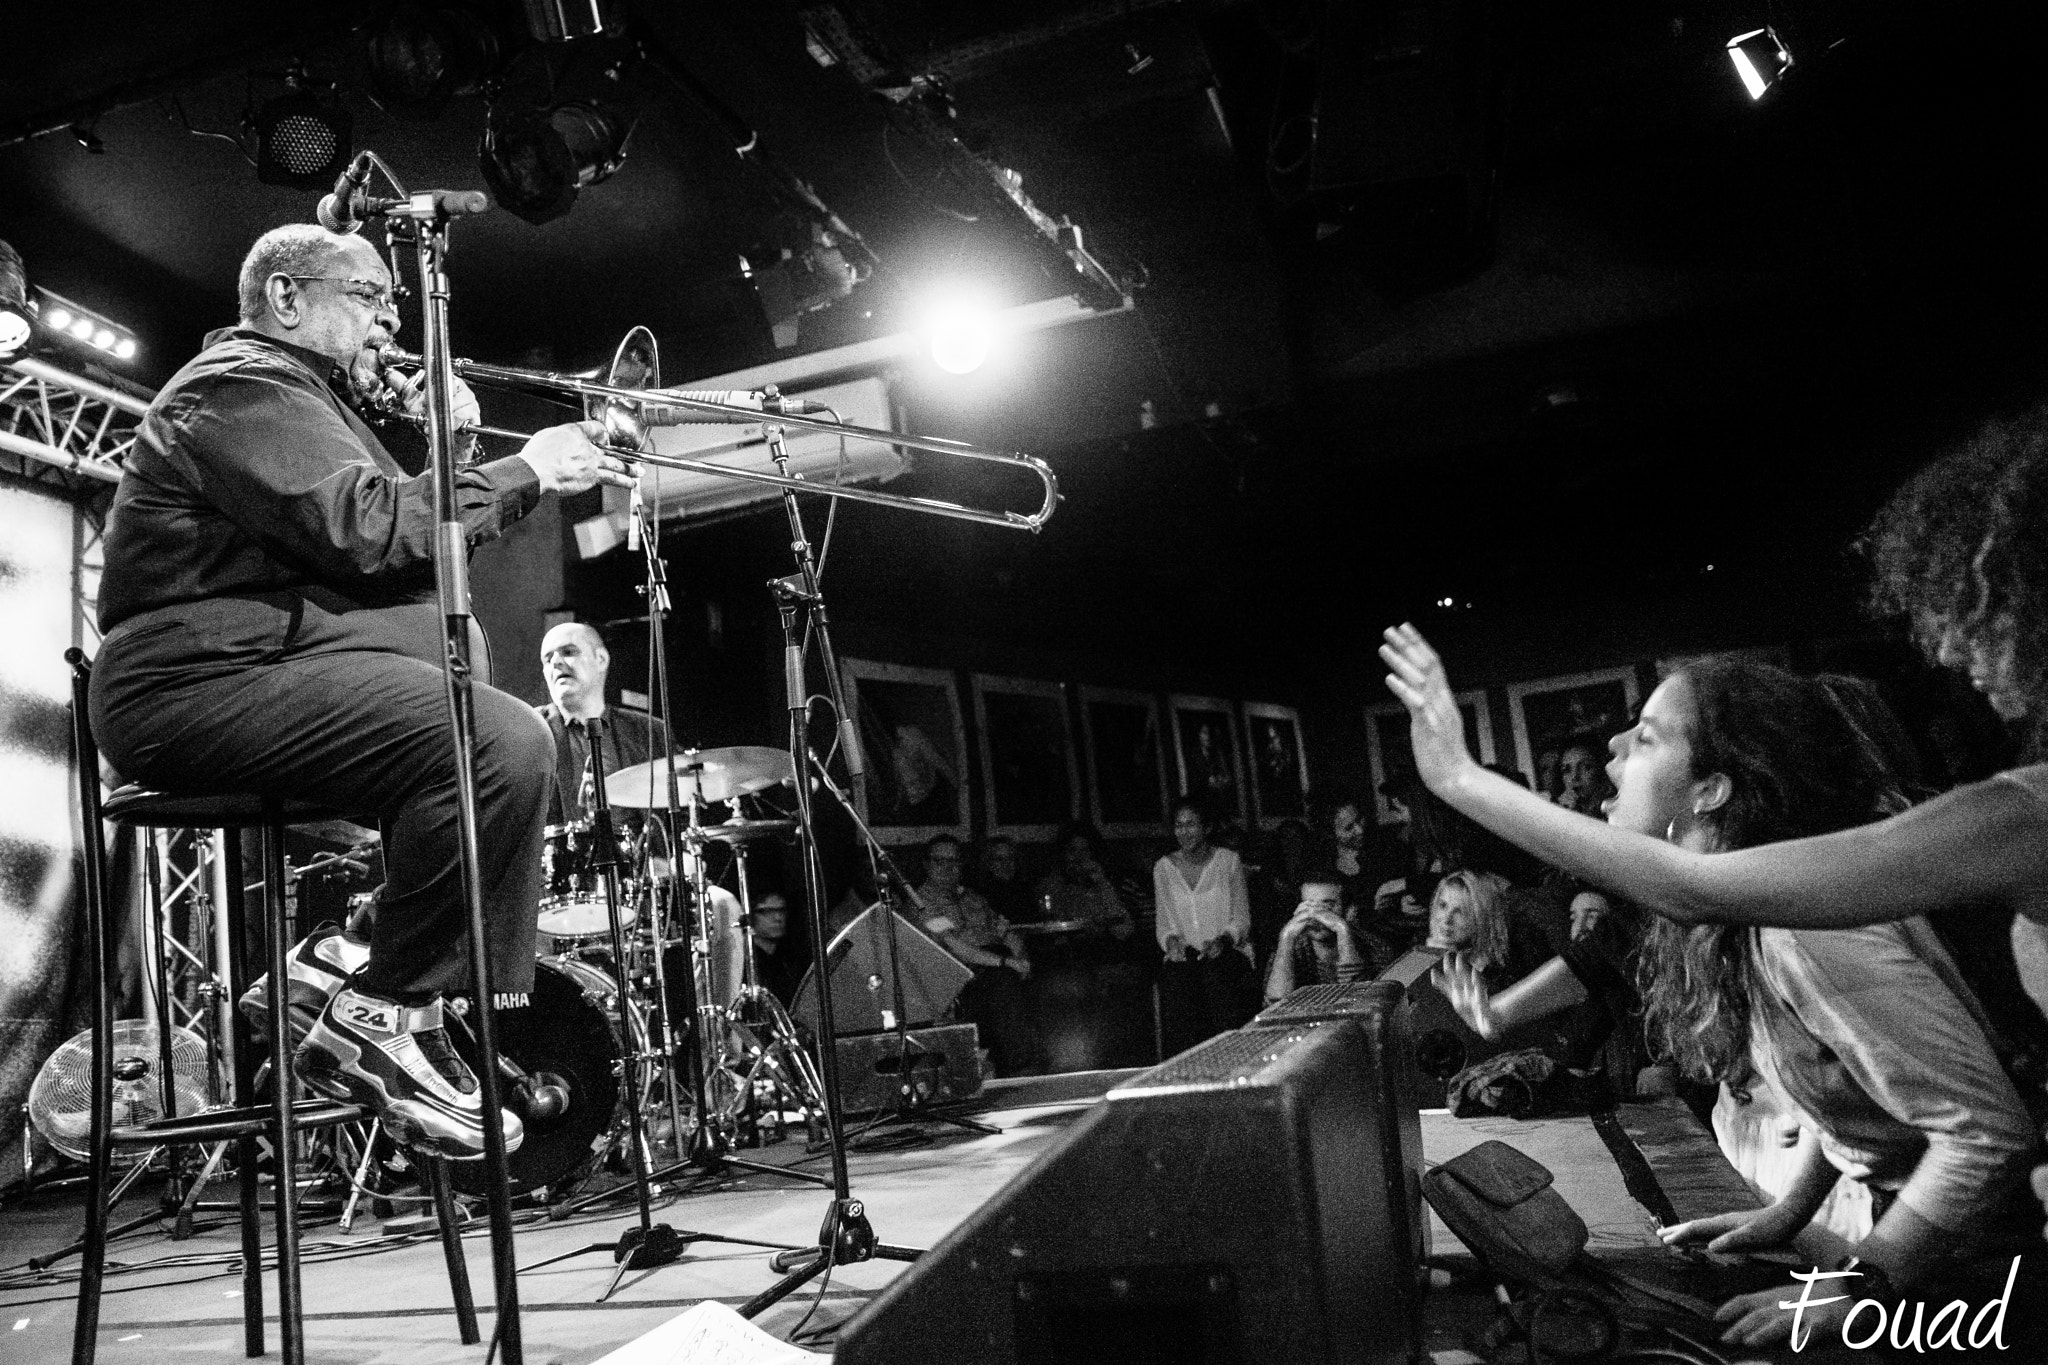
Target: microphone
339,211
764,401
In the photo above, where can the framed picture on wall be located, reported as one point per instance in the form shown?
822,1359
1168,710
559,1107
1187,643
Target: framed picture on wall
1126,761
1551,714
1277,761
1028,771
916,746
1205,753
1391,755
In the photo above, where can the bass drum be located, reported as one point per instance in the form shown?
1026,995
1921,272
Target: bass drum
567,1041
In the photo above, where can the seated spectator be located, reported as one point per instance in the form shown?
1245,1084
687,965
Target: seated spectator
1468,915
970,929
1079,890
1001,880
1316,947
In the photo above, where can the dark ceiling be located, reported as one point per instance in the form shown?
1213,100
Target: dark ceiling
1509,303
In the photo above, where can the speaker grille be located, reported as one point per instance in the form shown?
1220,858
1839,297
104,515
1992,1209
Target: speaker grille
1226,1059
1345,1001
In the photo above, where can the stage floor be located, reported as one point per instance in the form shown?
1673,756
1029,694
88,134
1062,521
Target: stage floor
371,1304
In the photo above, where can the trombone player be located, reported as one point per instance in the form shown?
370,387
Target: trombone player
271,626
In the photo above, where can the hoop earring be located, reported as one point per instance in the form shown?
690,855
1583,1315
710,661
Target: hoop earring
1674,835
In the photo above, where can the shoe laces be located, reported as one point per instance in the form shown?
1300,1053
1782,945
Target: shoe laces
440,1054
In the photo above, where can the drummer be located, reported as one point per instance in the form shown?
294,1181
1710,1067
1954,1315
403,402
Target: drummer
575,663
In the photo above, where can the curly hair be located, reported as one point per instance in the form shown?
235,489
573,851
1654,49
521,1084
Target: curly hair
1795,767
1961,551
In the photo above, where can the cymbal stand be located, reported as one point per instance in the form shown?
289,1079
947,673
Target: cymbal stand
651,1244
783,1053
904,1105
845,1236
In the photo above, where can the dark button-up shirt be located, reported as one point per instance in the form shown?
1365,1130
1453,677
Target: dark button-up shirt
252,480
629,737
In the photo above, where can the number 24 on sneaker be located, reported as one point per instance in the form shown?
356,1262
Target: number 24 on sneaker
397,1059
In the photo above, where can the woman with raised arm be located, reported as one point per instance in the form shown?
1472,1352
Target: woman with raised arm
1870,1033
1962,553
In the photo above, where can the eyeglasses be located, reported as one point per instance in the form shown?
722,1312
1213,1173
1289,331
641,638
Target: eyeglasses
362,291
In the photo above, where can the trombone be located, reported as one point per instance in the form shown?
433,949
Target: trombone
670,405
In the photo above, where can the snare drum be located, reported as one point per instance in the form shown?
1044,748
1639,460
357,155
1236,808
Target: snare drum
573,905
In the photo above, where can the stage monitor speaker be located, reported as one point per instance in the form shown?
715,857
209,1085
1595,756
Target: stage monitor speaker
1444,1043
923,1067
862,997
1256,1198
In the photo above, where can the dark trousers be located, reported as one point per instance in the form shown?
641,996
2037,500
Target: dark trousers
994,1001
366,733
1201,998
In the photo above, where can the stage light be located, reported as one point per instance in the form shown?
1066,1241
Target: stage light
961,337
536,160
302,139
800,282
68,324
1761,59
423,55
17,317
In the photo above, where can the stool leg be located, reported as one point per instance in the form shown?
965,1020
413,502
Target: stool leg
290,1309
99,948
236,914
451,1247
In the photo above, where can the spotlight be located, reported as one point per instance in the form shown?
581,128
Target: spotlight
302,139
17,315
68,324
1761,59
960,339
424,54
796,283
535,161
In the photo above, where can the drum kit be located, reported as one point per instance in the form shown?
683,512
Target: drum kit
687,944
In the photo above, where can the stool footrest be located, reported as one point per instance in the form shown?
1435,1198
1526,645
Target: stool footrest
218,1125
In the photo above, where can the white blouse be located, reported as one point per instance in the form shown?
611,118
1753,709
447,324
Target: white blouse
1218,904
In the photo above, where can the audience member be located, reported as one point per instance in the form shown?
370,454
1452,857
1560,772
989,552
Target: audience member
1079,890
1316,947
1207,985
970,929
1468,915
1002,881
778,969
1276,883
1581,777
1870,1033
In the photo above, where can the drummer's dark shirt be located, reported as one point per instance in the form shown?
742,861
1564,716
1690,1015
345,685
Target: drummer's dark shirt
630,737
252,480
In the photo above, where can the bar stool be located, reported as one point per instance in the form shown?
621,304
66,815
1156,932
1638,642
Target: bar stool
282,1119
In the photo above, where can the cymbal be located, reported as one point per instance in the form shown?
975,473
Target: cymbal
742,831
722,773
339,833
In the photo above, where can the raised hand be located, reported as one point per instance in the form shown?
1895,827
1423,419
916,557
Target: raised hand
1435,728
1466,992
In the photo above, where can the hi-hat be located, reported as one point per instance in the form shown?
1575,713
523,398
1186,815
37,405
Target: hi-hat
723,774
741,831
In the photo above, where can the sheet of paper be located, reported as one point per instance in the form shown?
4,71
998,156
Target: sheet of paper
709,1333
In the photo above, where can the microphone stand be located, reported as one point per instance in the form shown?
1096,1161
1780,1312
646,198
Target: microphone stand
905,1107
428,216
708,1153
845,1236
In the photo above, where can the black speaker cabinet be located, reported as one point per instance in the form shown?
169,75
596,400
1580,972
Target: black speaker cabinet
925,1066
1256,1198
863,996
1444,1043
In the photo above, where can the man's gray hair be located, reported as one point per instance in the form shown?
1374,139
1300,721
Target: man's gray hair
294,249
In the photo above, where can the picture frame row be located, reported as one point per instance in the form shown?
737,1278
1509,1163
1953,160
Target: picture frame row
1546,715
1133,754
